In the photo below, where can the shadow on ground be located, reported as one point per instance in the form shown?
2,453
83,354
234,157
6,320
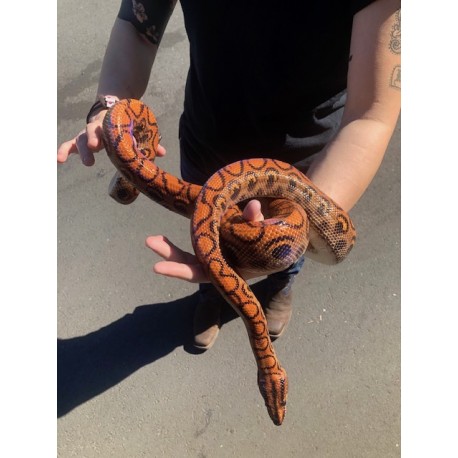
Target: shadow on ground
90,364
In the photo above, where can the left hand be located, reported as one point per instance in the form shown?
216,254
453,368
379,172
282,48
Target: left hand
182,265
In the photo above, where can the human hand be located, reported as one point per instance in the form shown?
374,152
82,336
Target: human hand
182,265
88,142
85,143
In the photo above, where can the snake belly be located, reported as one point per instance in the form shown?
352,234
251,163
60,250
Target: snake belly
223,242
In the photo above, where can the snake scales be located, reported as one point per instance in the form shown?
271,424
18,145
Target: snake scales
303,218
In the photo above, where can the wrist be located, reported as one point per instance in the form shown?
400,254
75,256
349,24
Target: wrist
103,102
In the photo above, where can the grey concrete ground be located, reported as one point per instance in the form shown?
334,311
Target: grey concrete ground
129,383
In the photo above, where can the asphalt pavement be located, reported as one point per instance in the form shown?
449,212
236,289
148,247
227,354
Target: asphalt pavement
129,382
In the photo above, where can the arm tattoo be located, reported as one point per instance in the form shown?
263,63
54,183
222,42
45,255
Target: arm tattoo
395,48
395,80
395,36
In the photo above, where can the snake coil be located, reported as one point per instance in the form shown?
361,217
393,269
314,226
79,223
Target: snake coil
302,218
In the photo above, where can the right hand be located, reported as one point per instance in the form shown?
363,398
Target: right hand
88,142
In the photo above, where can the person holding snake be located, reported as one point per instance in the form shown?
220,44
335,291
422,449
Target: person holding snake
314,83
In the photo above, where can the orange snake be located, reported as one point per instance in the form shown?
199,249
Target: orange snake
302,217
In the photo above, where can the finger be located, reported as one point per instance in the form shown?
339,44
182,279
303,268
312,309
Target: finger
161,151
87,156
66,149
177,263
94,137
168,251
252,211
193,273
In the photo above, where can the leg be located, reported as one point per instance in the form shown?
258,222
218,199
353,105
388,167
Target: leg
278,310
207,316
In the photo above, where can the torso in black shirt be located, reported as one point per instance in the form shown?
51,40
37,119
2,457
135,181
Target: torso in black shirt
266,78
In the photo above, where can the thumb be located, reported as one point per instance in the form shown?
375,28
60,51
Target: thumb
252,211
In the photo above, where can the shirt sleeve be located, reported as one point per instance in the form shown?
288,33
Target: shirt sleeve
149,17
358,5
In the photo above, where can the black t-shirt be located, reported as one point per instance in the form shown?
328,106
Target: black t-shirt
266,79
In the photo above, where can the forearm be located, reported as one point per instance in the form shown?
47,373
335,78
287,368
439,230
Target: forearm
347,166
132,47
127,63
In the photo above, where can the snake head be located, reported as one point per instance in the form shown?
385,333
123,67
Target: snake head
274,389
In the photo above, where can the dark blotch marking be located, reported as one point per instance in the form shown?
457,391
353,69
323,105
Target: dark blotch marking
270,181
323,209
308,195
252,181
339,227
282,251
235,192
